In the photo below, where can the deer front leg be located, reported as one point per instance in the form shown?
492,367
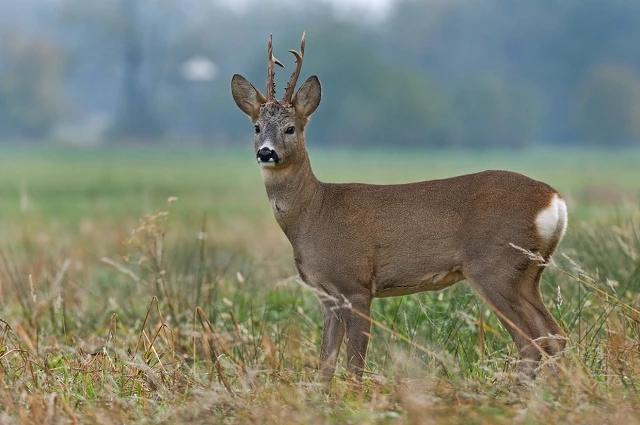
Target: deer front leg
332,336
358,326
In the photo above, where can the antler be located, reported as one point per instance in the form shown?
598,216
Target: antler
291,85
271,84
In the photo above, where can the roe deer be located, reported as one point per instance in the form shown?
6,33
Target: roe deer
355,242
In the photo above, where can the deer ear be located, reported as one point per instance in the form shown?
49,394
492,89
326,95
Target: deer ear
248,98
307,98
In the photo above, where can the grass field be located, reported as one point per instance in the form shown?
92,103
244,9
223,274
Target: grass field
121,304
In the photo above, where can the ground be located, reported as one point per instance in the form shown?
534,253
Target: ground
154,286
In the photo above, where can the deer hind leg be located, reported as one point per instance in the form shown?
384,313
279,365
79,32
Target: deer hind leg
552,338
514,295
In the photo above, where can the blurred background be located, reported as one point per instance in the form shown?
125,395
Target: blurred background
111,108
427,74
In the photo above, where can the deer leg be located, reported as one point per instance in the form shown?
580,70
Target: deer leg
552,338
358,326
524,322
332,336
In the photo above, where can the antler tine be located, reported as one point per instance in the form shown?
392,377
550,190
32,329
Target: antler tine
291,85
271,83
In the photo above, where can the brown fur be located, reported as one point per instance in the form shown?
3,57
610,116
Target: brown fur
359,241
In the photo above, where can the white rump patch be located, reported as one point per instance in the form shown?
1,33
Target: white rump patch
551,222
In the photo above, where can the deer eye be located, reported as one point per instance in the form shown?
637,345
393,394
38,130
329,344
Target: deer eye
257,128
290,130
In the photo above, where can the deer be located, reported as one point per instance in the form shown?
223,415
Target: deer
353,242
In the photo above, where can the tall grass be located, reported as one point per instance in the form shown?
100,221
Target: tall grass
184,318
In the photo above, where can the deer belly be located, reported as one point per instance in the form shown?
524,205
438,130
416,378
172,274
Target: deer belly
428,282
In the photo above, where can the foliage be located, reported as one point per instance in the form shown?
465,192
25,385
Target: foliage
547,46
609,106
30,72
495,114
431,73
371,102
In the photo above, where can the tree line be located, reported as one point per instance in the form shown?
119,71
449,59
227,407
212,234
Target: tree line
433,73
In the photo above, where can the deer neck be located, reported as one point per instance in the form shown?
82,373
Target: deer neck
291,191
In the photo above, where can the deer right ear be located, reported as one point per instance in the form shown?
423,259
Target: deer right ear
307,97
248,98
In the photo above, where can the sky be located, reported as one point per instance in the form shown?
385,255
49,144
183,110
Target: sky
370,8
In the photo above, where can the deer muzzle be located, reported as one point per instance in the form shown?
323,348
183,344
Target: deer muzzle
267,156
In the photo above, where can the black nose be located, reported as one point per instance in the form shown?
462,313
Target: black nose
266,155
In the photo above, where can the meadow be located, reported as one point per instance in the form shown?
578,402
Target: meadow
153,286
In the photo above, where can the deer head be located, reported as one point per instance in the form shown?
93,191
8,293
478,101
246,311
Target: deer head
279,124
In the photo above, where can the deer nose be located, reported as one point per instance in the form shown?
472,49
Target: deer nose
267,155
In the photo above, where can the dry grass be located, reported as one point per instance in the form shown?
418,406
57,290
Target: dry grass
113,321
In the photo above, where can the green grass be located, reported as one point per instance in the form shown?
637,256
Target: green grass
101,324
70,184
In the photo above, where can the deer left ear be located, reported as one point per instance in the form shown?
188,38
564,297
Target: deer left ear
307,98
